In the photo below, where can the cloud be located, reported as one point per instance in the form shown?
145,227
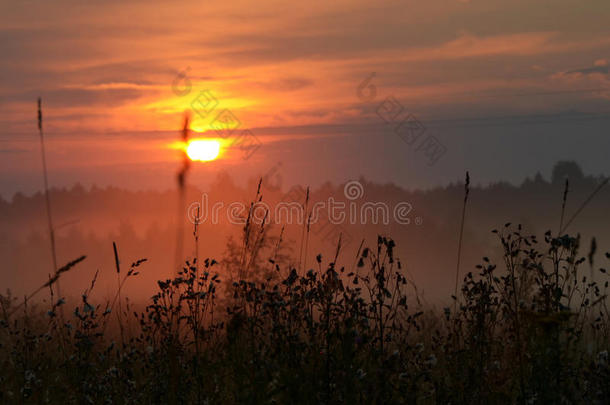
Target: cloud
468,46
600,66
77,97
12,150
301,67
287,84
596,77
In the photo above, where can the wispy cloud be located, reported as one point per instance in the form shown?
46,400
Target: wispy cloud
120,59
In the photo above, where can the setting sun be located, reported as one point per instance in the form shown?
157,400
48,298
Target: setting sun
203,149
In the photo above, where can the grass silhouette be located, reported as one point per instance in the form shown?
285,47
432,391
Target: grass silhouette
324,335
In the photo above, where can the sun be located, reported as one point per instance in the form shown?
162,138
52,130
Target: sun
203,150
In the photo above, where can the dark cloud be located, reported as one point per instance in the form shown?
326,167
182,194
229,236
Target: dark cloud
76,97
287,84
12,150
603,69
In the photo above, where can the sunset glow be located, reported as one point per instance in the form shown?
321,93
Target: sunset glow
350,201
203,150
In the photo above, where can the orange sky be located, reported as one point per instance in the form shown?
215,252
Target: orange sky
107,72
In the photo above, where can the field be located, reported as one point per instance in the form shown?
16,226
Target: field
534,329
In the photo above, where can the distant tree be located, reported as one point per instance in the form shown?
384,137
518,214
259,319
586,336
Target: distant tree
534,184
538,179
567,169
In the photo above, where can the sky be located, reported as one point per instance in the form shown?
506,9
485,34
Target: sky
407,92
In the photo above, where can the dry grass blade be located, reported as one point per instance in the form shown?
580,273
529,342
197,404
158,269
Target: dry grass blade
52,280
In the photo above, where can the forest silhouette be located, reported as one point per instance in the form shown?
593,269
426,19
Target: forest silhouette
143,224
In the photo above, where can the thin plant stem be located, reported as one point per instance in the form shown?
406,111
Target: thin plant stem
181,179
47,198
305,208
459,253
584,204
563,206
118,275
53,280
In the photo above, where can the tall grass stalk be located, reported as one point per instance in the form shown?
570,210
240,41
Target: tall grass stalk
563,206
53,280
459,253
304,229
46,195
118,277
195,290
307,240
584,204
181,180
